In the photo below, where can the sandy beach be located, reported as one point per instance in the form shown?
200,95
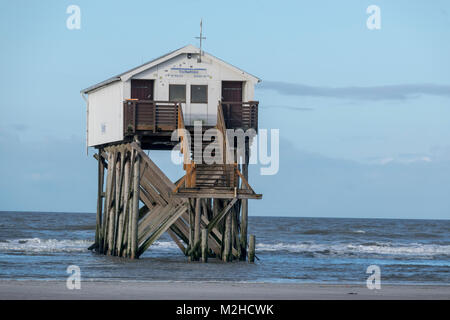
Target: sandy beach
11,289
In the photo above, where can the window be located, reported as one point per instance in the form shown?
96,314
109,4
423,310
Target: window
199,94
177,92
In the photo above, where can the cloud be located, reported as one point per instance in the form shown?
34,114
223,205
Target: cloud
287,108
401,159
375,93
311,184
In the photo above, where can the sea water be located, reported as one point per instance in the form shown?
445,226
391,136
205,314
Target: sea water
41,245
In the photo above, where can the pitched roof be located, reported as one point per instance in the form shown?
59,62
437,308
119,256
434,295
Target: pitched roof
186,49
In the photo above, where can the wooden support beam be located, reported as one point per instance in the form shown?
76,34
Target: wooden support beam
176,213
175,239
135,208
125,193
111,200
204,245
226,255
178,229
98,229
195,246
244,213
224,211
251,249
106,203
116,212
215,193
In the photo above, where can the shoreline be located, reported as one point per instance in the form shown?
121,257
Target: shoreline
185,290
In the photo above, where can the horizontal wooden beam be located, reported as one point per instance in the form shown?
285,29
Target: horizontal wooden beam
213,193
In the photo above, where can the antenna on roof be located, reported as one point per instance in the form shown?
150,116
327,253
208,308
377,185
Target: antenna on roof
201,38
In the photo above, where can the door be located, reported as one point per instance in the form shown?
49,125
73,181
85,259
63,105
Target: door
142,89
232,91
232,112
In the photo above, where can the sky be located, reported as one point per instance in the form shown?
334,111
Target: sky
364,115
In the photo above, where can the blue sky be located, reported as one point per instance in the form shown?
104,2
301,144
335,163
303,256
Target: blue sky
364,115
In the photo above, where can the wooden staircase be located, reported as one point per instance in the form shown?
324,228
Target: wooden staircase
207,178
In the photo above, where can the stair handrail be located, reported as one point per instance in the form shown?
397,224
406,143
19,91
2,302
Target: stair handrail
188,164
221,126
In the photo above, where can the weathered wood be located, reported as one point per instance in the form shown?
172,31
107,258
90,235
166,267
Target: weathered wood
116,212
179,229
110,230
215,193
197,221
179,210
251,249
130,204
191,223
244,209
98,229
175,239
135,209
153,221
124,200
106,203
235,231
218,217
112,204
204,245
226,255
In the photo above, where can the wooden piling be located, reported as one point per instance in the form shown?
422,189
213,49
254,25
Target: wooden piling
204,245
135,208
226,255
98,229
244,207
111,200
107,202
124,204
191,211
251,249
206,227
196,243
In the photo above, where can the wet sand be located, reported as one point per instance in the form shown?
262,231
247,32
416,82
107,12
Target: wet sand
31,289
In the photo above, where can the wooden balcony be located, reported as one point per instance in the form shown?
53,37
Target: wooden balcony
145,116
240,115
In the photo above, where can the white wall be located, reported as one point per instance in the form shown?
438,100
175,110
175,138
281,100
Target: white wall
105,107
211,74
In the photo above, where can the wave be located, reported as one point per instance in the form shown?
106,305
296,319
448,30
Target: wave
44,245
411,249
38,245
332,231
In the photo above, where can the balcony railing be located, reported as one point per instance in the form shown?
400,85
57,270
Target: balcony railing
150,116
243,115
147,116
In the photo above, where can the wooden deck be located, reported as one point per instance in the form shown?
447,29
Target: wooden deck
158,118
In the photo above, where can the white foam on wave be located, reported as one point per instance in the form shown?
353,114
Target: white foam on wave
411,249
45,245
164,245
38,245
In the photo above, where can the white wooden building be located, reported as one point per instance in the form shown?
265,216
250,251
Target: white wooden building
199,83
